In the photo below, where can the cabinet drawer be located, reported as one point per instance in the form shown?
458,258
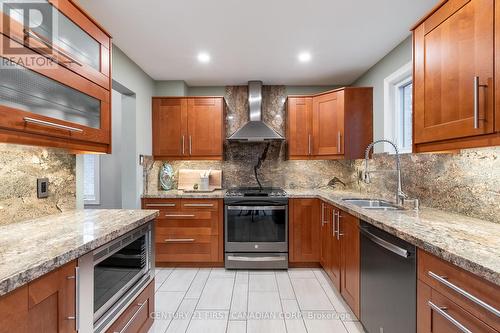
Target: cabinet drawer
163,205
473,294
162,233
438,314
188,248
136,318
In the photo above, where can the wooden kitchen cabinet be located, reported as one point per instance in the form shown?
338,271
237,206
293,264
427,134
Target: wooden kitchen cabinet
299,127
47,304
187,128
348,226
74,71
137,317
14,311
332,125
446,292
304,231
188,231
340,253
452,46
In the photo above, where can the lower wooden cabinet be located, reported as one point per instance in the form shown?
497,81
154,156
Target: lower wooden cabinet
45,305
304,231
348,229
188,230
137,318
445,299
340,253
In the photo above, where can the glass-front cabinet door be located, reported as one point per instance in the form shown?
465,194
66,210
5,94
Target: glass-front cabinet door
54,77
61,32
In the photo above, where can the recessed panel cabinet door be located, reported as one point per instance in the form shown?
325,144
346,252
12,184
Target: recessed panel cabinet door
205,121
169,127
299,131
451,48
326,236
334,270
349,230
305,231
328,124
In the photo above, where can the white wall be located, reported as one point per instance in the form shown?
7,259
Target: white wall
135,138
375,76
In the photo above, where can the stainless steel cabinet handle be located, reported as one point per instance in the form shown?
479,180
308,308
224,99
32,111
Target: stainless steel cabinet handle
309,144
476,100
131,320
179,240
338,226
30,120
76,317
160,205
445,315
198,205
472,298
179,215
339,140
190,146
323,222
183,145
334,225
386,245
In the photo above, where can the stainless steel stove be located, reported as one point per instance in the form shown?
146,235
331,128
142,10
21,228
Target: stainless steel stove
256,228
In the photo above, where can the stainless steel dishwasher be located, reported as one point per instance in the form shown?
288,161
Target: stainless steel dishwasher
388,282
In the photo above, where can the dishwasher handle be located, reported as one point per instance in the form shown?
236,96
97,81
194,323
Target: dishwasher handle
385,244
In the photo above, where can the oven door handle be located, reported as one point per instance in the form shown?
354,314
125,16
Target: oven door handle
256,207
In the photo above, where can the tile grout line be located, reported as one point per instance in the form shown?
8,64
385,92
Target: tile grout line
281,302
296,300
198,300
231,302
170,273
183,298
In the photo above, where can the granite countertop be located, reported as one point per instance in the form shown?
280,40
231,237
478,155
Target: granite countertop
32,248
469,243
178,194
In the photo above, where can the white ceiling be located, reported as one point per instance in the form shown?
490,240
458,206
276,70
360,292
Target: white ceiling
257,39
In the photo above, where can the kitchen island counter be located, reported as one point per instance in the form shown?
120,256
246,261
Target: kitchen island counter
32,248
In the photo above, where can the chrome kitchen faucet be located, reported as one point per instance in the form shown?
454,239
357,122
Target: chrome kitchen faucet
400,195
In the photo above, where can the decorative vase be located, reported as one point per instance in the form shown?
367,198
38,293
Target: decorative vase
166,177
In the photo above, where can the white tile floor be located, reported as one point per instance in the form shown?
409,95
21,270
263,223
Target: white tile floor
216,300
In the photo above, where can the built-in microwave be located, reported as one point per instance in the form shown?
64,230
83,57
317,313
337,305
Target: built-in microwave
111,276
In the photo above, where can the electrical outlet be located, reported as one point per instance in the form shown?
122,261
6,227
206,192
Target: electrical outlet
42,188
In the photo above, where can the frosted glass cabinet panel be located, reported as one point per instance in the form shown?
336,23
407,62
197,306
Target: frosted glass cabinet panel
26,90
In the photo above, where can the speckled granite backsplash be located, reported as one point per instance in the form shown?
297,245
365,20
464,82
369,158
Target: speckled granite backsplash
20,166
466,183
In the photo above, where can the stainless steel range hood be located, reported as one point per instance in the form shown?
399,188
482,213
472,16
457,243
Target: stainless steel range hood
255,130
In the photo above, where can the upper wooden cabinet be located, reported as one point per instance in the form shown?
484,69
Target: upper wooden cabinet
454,77
332,125
55,88
188,128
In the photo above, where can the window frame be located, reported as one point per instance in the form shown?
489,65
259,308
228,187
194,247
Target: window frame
393,107
96,200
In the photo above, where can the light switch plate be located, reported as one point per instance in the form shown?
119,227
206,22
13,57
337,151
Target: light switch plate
42,188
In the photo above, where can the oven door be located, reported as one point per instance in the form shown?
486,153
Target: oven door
116,272
256,228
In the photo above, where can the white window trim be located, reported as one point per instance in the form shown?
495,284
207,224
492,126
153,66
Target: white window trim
392,107
97,183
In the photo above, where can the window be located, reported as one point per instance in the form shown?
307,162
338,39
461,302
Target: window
91,183
398,108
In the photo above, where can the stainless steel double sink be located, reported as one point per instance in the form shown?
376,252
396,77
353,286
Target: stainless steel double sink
373,204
